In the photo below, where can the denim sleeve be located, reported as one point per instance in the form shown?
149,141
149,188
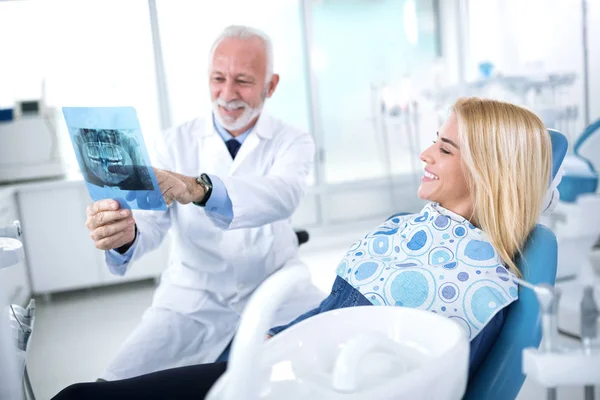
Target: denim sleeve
219,206
274,331
342,295
329,303
481,345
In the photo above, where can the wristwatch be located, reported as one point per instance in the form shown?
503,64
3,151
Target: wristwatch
204,181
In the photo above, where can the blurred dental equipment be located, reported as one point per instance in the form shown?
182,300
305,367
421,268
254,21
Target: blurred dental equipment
548,95
554,364
589,329
358,358
16,325
396,123
11,252
29,143
576,223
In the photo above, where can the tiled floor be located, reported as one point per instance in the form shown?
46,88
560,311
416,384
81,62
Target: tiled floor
78,333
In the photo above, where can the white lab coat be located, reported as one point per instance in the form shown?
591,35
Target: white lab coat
214,268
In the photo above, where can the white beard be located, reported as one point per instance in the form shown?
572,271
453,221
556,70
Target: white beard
234,124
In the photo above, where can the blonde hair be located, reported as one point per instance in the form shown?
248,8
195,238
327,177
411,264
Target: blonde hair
507,152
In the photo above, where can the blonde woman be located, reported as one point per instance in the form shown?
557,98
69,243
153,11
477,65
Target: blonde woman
486,177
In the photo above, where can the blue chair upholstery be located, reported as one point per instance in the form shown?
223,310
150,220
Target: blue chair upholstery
501,376
589,131
560,145
583,178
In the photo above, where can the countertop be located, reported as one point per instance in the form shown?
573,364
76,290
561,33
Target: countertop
69,180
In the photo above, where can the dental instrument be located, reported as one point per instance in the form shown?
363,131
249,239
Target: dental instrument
11,253
589,329
20,320
554,365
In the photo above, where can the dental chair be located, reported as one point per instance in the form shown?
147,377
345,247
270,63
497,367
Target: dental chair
500,376
580,175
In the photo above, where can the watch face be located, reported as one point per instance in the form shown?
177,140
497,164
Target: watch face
207,189
206,179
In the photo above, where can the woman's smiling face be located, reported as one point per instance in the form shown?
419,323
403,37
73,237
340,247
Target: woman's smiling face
444,180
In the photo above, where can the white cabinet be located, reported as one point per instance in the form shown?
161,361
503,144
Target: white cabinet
14,284
61,255
59,251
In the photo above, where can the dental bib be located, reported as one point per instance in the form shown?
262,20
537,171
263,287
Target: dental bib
435,261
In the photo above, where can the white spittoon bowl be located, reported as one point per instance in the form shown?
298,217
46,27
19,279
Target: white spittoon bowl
367,352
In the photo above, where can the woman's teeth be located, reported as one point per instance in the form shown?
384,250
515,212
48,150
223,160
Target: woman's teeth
430,175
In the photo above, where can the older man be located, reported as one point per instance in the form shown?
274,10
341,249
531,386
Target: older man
232,180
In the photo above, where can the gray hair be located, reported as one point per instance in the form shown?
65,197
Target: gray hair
246,32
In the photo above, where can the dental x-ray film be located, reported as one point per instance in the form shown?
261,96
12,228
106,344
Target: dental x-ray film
112,156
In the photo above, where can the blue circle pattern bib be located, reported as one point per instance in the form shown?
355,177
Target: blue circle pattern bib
434,261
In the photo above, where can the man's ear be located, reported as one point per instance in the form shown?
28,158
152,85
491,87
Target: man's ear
272,85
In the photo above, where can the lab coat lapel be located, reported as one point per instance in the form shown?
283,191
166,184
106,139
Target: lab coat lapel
214,157
251,142
263,130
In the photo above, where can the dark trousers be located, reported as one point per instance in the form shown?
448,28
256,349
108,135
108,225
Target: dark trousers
191,382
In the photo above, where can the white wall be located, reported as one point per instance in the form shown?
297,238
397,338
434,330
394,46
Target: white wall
449,41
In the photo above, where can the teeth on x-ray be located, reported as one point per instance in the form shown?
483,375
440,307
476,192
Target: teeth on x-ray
112,158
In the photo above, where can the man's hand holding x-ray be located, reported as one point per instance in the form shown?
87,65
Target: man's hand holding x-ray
110,227
173,186
180,188
114,228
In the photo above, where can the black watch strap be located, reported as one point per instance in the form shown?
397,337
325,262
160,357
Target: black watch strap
204,181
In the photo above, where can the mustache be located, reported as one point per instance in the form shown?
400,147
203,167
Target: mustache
232,104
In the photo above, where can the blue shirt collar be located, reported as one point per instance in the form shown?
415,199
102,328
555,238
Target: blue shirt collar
226,135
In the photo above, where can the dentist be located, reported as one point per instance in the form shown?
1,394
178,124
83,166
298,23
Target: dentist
232,180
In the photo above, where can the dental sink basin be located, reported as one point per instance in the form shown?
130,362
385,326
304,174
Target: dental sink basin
369,352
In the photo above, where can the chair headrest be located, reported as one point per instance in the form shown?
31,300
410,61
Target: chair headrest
559,150
589,131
